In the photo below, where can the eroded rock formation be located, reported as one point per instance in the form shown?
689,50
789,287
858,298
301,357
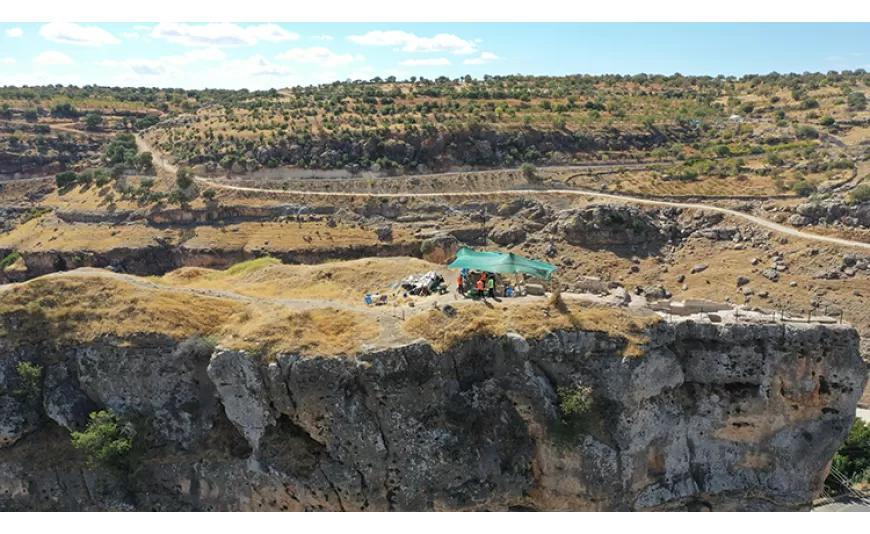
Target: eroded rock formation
711,416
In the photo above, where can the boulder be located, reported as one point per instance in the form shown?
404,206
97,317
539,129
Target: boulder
770,274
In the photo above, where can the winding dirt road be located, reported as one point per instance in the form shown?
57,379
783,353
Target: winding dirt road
764,223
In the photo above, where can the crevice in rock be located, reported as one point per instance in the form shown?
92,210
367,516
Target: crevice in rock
334,489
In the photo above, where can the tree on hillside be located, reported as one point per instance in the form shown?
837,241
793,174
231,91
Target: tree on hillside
65,179
145,160
184,178
857,101
93,121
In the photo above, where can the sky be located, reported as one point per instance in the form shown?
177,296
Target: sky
267,55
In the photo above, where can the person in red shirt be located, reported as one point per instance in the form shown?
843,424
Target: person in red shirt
480,288
460,285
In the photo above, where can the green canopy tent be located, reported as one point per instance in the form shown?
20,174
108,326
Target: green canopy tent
499,262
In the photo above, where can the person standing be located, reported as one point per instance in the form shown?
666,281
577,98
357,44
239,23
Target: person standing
480,288
460,284
491,286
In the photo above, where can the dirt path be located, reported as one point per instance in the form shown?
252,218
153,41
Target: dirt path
764,223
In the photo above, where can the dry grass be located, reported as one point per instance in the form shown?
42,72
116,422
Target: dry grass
50,233
284,236
534,320
325,331
339,281
81,309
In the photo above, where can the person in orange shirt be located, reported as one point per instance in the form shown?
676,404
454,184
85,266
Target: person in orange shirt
460,285
480,288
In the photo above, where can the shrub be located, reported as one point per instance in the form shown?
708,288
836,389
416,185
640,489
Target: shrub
107,441
801,188
42,128
861,193
30,376
827,121
209,194
529,171
807,132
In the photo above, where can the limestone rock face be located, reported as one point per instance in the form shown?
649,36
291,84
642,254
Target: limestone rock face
156,379
716,416
242,392
64,403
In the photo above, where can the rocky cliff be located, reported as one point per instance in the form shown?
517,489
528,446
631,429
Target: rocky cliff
711,416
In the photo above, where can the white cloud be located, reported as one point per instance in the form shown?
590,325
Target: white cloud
221,34
319,54
427,62
14,32
443,42
130,35
73,34
485,57
7,60
166,65
322,37
142,28
53,57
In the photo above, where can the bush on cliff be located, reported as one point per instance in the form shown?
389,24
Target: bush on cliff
107,442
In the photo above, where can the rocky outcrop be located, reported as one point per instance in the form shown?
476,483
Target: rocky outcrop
598,225
443,149
711,416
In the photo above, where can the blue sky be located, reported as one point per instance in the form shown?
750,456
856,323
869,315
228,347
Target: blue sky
264,55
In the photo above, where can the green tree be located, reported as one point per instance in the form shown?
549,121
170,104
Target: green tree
93,121
65,179
184,178
145,160
209,194
107,441
30,115
117,171
856,101
176,197
827,121
852,460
